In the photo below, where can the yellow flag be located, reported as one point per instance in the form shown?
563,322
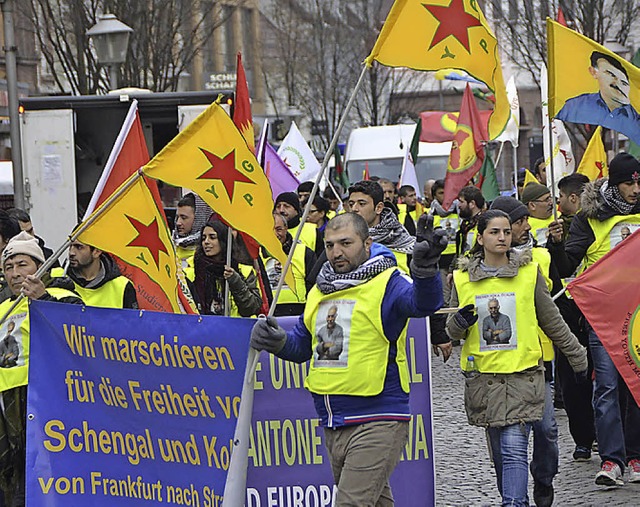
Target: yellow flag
529,178
591,85
133,229
449,34
211,158
594,161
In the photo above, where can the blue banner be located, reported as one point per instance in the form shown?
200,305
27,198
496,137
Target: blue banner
131,408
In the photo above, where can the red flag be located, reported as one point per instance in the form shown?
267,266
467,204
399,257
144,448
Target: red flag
439,126
608,293
242,117
467,152
365,173
129,153
560,18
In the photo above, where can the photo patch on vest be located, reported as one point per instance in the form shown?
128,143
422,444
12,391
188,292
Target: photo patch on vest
497,321
542,235
11,347
450,226
621,231
333,328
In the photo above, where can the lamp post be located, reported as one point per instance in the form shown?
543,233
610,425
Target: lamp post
110,38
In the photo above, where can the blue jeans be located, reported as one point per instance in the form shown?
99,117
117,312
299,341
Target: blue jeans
544,465
616,414
509,448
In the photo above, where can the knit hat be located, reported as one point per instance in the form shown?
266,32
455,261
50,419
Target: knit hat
511,206
23,243
290,198
533,191
623,167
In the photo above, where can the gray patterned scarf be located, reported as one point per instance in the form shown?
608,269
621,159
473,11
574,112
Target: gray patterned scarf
612,197
329,281
202,214
392,234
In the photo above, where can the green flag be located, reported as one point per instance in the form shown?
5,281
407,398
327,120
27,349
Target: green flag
488,181
415,142
339,175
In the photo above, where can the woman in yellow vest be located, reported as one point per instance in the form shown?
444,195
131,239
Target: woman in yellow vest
502,356
212,272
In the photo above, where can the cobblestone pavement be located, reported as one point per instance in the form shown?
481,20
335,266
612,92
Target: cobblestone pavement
464,474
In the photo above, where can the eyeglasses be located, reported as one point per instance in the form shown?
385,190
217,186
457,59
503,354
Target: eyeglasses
544,201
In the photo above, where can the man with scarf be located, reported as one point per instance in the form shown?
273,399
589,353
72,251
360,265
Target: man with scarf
366,198
191,215
361,395
608,205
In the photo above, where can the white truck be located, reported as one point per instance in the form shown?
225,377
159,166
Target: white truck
382,149
66,141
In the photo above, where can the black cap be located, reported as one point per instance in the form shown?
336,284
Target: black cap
511,206
623,167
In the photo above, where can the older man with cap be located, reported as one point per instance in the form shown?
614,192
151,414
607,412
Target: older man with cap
21,259
288,205
544,465
608,205
537,198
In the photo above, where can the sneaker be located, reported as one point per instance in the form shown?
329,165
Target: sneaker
582,453
634,470
542,495
610,475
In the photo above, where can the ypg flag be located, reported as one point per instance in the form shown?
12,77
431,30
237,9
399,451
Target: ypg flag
444,34
211,158
608,293
242,107
591,85
594,161
467,153
133,229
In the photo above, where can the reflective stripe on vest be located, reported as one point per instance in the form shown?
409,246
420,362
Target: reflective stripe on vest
109,295
609,233
516,295
355,365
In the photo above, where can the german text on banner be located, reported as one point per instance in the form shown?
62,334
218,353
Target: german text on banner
211,158
133,229
608,293
129,409
288,464
590,84
429,35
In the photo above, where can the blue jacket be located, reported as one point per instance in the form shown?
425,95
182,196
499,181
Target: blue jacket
403,299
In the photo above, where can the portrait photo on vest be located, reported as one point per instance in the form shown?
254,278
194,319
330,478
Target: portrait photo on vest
11,346
333,329
497,315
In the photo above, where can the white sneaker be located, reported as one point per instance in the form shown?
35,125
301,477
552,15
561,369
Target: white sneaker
634,470
611,475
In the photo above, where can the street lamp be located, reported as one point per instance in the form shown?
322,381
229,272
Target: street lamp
110,38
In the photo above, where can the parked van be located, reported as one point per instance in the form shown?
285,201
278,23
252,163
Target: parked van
381,150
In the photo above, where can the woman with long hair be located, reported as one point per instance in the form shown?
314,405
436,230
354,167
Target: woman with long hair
211,272
503,299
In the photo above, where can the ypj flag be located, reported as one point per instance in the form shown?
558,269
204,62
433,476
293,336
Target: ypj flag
512,131
133,228
594,161
590,84
211,158
295,152
129,153
608,294
242,106
467,152
430,35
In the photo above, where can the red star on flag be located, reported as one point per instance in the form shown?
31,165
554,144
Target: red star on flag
453,21
224,169
148,238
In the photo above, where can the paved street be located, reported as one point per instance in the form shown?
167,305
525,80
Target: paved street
465,475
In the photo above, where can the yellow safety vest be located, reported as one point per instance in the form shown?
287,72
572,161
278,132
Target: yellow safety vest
109,295
245,270
403,261
415,214
516,295
298,270
540,229
361,367
18,374
186,261
449,224
307,236
543,258
608,234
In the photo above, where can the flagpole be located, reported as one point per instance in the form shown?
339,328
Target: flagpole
236,484
46,265
515,169
553,177
227,295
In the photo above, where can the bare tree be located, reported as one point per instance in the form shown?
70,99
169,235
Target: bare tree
167,35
